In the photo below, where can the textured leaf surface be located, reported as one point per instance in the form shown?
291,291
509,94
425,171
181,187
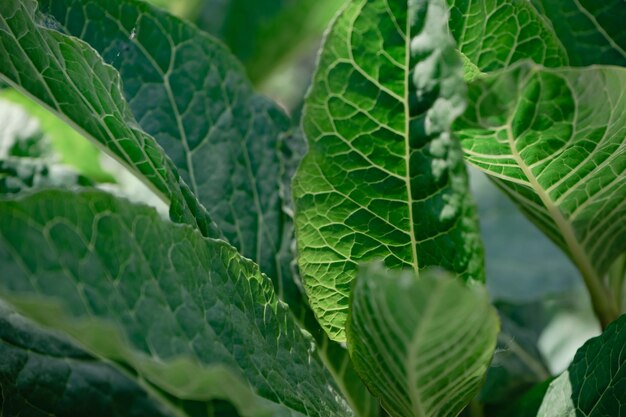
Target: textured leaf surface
144,292
383,178
69,78
595,382
555,141
422,345
494,34
42,374
592,32
188,92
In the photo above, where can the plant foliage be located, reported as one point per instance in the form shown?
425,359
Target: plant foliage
325,266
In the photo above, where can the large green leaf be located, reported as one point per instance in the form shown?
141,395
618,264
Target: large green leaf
494,34
383,177
67,76
591,31
187,313
554,140
422,345
188,92
42,374
595,382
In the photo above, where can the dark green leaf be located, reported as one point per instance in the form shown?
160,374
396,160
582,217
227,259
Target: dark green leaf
67,76
187,313
188,92
526,406
517,364
595,382
423,344
383,177
591,31
42,374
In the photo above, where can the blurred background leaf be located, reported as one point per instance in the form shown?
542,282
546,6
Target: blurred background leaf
276,40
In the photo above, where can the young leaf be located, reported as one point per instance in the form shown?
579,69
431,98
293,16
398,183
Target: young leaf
67,76
554,140
188,91
595,382
187,313
43,374
495,34
591,31
383,177
421,345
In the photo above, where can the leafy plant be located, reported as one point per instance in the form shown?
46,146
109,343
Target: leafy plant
346,277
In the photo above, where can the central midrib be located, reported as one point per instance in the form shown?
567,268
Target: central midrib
407,145
579,257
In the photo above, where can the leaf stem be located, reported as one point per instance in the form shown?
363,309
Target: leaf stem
617,274
601,297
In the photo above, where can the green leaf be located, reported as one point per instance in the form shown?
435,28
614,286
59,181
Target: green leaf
188,92
421,345
383,177
595,382
188,314
526,406
42,374
263,34
497,33
553,139
69,78
517,364
592,32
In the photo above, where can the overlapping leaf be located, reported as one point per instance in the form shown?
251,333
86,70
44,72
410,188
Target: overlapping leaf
43,374
421,345
494,34
188,92
68,77
595,382
188,314
383,177
554,140
592,32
